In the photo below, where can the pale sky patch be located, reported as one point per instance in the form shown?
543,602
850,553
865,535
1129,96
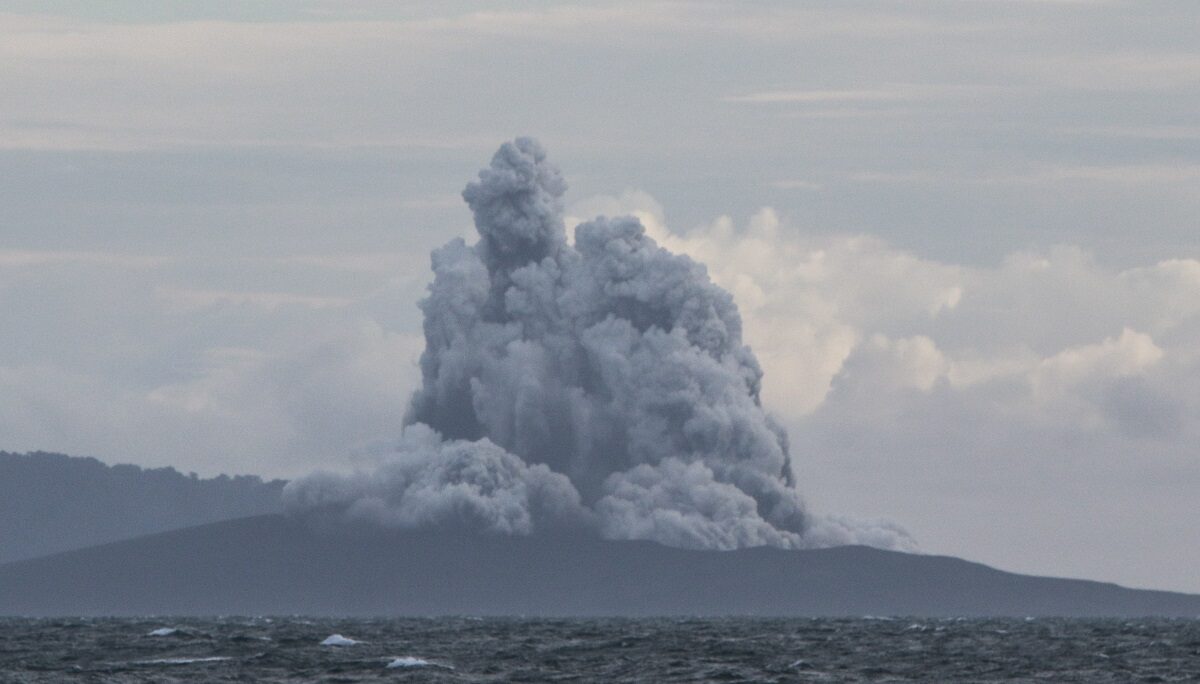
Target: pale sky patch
200,299
19,258
796,184
819,96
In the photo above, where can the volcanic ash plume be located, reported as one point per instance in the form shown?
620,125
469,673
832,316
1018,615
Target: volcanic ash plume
600,385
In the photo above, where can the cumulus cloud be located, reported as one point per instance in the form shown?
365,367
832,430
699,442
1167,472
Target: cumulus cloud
610,366
1129,354
854,316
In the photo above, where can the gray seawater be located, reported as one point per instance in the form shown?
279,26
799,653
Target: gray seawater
610,650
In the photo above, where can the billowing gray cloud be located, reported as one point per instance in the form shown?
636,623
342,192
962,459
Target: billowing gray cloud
609,373
431,482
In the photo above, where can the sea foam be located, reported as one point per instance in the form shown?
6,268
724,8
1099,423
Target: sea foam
408,661
339,640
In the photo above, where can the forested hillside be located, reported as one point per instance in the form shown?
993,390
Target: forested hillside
52,502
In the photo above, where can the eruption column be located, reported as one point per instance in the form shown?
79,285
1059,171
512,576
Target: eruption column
602,384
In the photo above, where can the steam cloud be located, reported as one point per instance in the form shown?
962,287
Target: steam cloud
602,385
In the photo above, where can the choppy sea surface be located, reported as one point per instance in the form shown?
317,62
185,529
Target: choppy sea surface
586,650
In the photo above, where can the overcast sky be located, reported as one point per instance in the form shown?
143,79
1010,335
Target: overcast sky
963,235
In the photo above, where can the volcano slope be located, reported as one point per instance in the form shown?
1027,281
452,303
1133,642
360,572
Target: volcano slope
280,565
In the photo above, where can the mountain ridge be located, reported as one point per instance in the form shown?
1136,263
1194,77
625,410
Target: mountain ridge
52,502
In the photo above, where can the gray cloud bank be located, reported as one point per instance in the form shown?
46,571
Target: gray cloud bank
601,383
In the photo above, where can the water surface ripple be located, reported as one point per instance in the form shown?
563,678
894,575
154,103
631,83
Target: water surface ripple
611,650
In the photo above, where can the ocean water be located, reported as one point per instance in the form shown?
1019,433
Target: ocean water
611,650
